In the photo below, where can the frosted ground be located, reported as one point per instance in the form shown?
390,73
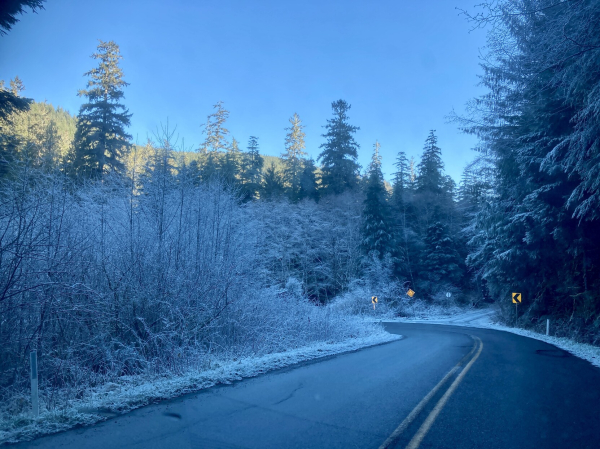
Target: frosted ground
114,398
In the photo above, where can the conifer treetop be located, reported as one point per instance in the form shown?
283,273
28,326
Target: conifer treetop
216,133
293,156
431,167
340,151
294,140
106,80
101,139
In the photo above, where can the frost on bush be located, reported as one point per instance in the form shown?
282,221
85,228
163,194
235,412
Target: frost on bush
378,281
139,282
294,287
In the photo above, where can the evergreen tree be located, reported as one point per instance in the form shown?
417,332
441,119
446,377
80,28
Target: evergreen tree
293,158
16,86
10,9
38,129
402,182
11,103
406,238
413,173
160,166
252,169
475,186
539,124
231,164
308,181
377,228
215,141
340,151
194,173
11,143
216,133
210,166
434,191
158,181
100,139
273,184
431,168
442,263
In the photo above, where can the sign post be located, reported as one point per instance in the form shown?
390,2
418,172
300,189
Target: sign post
35,403
374,301
516,299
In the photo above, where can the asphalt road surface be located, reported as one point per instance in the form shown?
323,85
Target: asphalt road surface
438,387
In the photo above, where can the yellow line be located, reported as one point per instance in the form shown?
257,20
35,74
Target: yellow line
418,438
415,411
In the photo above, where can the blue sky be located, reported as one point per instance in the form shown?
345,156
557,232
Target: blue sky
402,65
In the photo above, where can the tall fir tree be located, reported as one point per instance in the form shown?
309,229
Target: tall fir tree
403,211
216,133
401,184
273,183
100,139
293,157
340,152
252,165
377,228
434,191
431,167
475,187
308,181
442,264
215,142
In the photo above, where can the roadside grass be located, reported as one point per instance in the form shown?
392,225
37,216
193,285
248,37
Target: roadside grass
114,398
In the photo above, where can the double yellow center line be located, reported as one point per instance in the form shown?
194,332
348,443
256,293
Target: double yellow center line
418,437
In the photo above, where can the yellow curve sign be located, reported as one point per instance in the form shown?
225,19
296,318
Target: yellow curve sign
410,293
516,298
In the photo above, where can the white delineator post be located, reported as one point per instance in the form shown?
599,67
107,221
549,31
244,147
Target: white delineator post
35,403
547,326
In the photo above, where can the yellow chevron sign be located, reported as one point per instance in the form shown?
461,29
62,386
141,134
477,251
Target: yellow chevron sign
516,298
374,299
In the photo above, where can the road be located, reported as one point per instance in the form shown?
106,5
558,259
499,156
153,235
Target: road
438,387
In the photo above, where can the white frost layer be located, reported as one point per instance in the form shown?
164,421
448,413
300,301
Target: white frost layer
485,319
134,392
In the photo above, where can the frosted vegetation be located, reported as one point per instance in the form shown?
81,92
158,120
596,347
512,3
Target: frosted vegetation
130,278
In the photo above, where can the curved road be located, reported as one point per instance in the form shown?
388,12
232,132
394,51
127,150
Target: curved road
439,387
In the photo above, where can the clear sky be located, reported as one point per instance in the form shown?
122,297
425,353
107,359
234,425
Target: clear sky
402,65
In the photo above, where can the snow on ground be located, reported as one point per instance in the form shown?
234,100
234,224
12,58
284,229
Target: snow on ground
486,318
456,316
115,398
